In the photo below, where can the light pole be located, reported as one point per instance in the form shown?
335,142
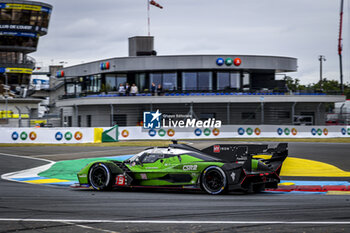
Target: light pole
321,58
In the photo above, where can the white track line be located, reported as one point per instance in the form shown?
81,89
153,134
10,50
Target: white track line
89,227
32,172
26,157
173,221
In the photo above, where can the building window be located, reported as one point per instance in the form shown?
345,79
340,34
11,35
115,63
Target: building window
283,114
248,115
121,79
70,121
111,82
227,80
169,81
205,81
93,83
79,121
194,81
246,80
189,81
141,81
223,81
70,88
88,120
235,80
155,78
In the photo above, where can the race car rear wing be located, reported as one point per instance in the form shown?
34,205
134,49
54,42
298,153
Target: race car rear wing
234,152
245,152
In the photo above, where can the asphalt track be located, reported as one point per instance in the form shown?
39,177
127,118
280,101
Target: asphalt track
40,208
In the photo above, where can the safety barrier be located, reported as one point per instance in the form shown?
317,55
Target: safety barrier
91,135
236,131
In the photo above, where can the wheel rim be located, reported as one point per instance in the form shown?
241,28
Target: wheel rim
214,181
99,177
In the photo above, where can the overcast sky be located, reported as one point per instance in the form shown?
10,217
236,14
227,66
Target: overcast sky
86,30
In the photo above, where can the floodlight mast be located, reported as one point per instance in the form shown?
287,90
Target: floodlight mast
340,46
148,19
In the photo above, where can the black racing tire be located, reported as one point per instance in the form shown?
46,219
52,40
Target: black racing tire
213,180
100,177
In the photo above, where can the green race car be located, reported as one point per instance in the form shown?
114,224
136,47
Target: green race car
215,169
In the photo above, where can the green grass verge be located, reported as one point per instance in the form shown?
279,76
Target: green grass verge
159,143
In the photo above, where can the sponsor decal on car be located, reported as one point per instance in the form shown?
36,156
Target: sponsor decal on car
189,168
216,149
143,176
233,176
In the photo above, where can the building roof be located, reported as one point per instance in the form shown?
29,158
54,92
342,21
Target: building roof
184,62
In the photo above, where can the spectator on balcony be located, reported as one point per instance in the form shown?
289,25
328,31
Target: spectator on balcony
127,89
153,89
121,90
134,89
159,90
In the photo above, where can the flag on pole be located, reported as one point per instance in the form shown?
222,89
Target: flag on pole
155,4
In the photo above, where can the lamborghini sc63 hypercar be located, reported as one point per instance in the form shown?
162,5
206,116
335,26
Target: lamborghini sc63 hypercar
215,169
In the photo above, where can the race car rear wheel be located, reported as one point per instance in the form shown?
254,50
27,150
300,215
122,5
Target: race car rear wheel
100,177
213,180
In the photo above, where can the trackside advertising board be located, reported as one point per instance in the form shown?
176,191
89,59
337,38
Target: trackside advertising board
235,131
89,135
46,135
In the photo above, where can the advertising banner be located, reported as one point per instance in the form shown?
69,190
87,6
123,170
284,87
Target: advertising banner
89,135
47,135
235,131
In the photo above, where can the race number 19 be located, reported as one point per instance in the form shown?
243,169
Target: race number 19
120,180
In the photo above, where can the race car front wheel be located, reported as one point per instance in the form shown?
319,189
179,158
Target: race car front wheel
100,177
213,180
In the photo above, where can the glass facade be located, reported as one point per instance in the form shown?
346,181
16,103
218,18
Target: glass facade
155,78
168,81
205,81
192,81
140,81
246,79
20,41
228,81
24,17
93,83
189,81
111,82
235,80
223,80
